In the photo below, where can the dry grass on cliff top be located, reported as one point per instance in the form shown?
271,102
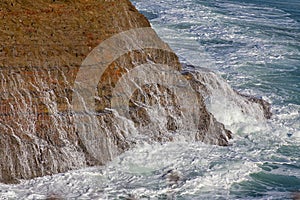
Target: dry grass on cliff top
60,32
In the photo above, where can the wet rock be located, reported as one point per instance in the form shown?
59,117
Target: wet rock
266,106
296,196
215,90
43,44
173,177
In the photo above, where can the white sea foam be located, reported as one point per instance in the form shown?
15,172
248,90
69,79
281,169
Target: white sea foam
142,171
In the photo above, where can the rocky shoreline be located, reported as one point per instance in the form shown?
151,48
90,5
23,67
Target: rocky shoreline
43,45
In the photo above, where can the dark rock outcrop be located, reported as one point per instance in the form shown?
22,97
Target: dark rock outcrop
206,82
266,106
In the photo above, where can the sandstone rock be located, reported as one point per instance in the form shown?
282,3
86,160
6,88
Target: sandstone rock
42,46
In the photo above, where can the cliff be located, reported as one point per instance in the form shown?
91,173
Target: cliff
45,45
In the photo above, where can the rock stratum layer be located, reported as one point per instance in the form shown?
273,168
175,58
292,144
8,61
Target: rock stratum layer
43,44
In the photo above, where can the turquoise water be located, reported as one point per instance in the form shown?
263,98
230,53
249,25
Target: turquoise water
255,46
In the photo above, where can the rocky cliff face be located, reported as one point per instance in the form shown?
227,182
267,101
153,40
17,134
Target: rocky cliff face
43,45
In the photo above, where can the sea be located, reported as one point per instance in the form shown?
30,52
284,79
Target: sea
254,46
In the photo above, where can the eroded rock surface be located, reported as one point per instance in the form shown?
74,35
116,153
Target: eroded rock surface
43,44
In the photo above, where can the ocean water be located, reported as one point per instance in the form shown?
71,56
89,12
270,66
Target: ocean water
255,46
